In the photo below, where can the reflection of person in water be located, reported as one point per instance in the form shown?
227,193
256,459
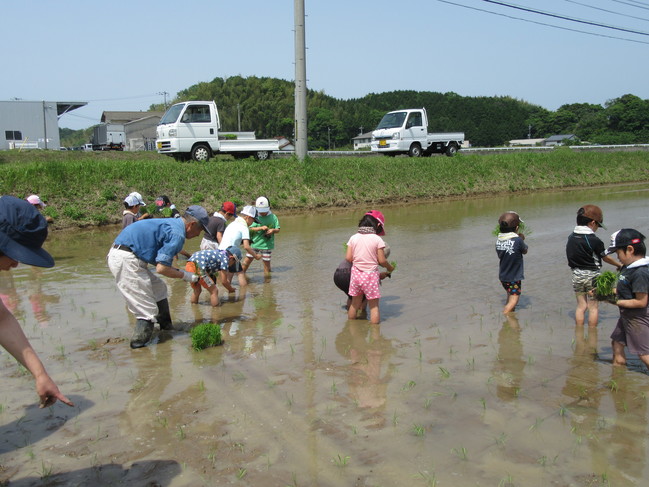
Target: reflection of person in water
582,380
10,297
509,363
367,351
38,299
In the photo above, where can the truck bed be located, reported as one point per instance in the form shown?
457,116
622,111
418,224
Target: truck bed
249,145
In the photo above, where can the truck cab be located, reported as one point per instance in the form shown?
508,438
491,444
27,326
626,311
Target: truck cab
406,132
190,130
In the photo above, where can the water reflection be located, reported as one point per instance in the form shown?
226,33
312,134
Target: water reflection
369,372
509,364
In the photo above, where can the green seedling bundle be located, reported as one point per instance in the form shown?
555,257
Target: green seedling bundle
522,228
205,335
604,285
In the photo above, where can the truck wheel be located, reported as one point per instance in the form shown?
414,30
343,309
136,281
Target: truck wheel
415,150
451,149
201,153
262,155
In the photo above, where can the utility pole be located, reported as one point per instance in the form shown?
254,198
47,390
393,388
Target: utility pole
239,116
300,82
164,93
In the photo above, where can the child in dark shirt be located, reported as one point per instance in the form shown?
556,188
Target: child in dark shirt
510,247
584,252
632,289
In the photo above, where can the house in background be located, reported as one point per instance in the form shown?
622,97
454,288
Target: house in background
32,124
139,128
559,139
362,141
525,142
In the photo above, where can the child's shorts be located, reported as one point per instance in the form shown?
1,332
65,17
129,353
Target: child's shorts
367,283
191,267
583,280
634,333
265,254
513,288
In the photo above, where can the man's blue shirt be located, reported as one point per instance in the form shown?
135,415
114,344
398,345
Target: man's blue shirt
155,240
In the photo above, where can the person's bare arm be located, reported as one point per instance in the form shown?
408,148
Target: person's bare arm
383,262
640,301
610,260
248,248
13,339
168,271
226,282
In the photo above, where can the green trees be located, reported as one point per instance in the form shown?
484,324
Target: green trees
266,106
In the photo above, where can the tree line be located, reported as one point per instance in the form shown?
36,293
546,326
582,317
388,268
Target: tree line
266,106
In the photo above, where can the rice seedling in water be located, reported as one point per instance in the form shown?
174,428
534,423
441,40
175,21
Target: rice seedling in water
418,430
409,385
205,335
444,373
429,478
340,461
501,440
522,228
241,473
460,452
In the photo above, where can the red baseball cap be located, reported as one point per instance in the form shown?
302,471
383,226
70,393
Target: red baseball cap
229,207
379,216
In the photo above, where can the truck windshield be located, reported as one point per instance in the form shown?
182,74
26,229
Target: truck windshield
392,120
172,114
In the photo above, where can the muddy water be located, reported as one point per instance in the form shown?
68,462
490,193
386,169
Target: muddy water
444,392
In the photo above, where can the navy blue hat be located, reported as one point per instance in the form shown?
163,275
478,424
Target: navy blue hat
22,232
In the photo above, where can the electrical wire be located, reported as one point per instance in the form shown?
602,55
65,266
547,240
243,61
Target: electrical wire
641,5
543,23
563,17
607,11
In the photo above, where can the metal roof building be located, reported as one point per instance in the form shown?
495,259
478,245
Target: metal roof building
32,124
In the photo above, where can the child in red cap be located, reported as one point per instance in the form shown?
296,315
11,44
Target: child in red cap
365,250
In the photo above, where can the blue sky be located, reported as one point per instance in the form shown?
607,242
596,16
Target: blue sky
119,55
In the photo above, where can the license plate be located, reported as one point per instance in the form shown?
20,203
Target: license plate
382,143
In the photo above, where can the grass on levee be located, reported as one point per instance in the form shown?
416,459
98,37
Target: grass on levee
87,188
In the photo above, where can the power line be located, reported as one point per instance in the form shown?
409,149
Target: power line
645,7
563,17
607,11
126,98
543,23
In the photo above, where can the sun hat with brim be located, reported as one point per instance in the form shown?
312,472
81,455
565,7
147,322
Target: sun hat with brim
34,199
135,196
22,232
623,238
250,211
381,219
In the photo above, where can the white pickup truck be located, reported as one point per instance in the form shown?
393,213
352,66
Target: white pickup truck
406,132
190,130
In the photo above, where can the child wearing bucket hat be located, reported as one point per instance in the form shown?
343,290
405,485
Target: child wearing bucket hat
510,247
366,252
22,233
632,289
584,253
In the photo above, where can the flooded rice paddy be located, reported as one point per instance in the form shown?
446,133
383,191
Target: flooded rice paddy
446,391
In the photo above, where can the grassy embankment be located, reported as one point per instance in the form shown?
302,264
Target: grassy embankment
88,188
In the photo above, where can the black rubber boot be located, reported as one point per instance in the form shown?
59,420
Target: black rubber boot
164,316
142,334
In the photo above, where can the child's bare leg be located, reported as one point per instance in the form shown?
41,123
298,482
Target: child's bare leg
354,306
267,269
580,312
243,281
375,313
196,287
246,263
512,301
214,296
619,357
593,312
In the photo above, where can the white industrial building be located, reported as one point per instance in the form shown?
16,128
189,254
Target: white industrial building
32,124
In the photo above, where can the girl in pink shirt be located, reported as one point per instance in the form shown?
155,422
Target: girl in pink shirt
365,250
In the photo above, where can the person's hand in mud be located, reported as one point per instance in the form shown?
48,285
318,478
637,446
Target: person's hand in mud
49,392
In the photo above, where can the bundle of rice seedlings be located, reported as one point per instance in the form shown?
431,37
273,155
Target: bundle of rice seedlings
604,285
205,335
522,228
